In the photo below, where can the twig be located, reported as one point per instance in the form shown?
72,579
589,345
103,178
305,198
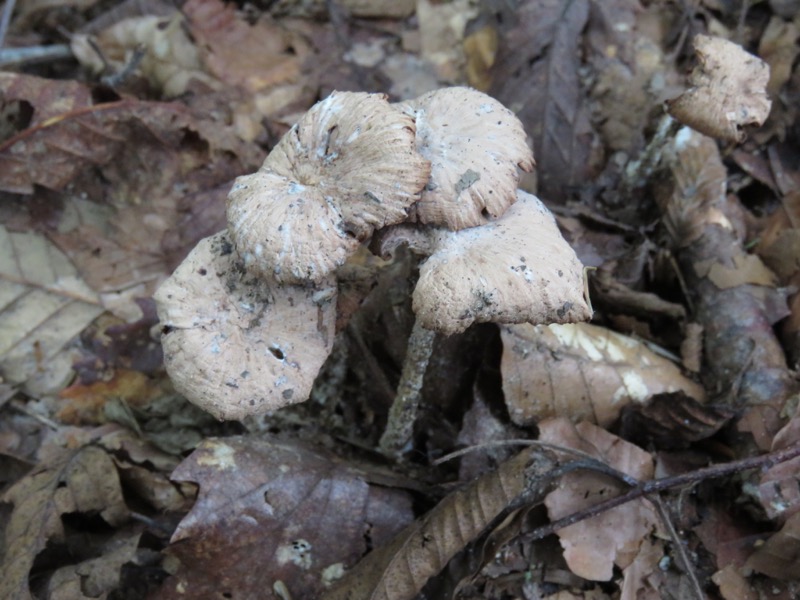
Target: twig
657,485
17,56
5,19
666,520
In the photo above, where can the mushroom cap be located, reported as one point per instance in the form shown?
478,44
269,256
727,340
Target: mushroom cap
517,269
287,231
353,150
236,345
474,145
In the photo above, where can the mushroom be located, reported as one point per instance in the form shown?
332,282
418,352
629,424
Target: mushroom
236,344
517,269
474,145
347,167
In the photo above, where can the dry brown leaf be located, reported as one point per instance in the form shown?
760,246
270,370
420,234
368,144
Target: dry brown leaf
779,556
95,577
400,570
270,511
253,57
537,76
170,60
442,26
84,481
44,304
594,546
732,585
672,420
778,47
581,371
728,90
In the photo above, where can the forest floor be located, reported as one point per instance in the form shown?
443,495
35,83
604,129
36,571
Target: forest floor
652,453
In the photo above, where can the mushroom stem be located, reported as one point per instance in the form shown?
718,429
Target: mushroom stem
403,413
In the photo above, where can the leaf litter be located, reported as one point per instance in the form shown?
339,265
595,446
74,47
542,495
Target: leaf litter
116,162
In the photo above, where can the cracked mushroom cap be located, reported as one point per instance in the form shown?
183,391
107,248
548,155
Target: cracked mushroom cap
353,159
517,269
235,345
474,145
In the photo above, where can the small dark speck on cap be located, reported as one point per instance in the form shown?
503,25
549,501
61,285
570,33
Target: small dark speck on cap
287,394
560,273
561,312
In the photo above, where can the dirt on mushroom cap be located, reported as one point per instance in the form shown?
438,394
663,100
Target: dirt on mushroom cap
517,269
286,231
236,345
475,146
352,160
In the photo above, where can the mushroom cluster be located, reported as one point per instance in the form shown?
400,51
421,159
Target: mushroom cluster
249,317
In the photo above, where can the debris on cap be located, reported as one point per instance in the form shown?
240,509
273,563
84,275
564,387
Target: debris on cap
475,146
287,231
517,269
237,345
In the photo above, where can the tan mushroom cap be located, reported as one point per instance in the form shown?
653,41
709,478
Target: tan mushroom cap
286,231
235,345
475,145
517,269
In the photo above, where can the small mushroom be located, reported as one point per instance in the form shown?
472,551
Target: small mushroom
474,145
517,269
352,161
237,345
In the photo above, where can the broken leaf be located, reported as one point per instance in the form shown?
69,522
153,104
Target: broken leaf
594,546
84,481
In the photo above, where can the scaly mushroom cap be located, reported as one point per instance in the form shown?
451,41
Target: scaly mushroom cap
236,345
353,151
475,145
292,228
516,269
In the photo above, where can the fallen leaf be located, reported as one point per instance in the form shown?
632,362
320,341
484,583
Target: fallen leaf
581,371
271,511
728,90
594,546
537,76
399,570
44,304
779,556
84,481
170,61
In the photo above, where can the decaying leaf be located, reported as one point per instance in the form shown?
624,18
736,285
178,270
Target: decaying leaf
399,570
537,76
592,547
581,371
778,557
672,420
728,90
44,303
83,482
170,61
270,512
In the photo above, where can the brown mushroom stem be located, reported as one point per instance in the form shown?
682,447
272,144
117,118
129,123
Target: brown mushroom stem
403,413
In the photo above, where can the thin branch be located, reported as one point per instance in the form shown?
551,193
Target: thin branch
654,486
5,19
